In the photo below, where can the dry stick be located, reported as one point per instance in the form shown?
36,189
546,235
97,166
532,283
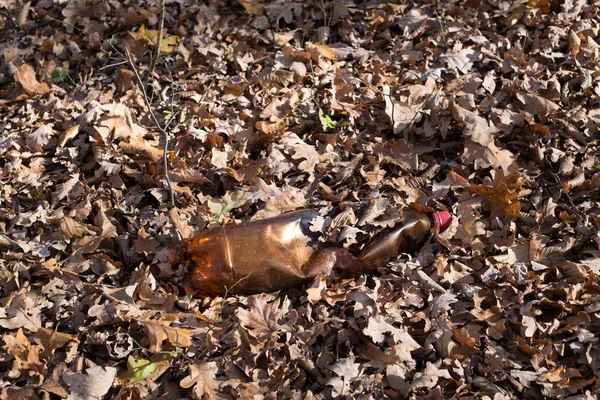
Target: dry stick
161,27
158,126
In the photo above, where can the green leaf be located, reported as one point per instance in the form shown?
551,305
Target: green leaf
139,368
598,166
60,75
326,120
230,201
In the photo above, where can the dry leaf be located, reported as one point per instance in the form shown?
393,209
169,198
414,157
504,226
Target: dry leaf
51,340
139,147
157,333
25,76
461,60
92,385
21,313
262,320
37,139
488,156
476,128
347,371
203,378
537,104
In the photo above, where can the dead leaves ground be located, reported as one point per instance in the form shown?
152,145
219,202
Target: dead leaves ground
490,109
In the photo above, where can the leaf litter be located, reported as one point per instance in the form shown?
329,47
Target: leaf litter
490,109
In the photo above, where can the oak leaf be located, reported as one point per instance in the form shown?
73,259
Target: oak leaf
262,320
347,371
203,377
25,76
92,385
488,156
477,128
157,333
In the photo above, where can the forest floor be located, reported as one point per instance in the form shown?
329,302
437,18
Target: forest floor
489,109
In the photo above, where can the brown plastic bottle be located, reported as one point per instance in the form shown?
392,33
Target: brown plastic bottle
281,253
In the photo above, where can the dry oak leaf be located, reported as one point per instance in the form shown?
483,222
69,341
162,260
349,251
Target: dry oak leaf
203,377
157,333
92,385
536,104
488,156
51,340
347,371
25,76
21,313
476,128
262,319
37,139
145,243
462,60
428,378
141,148
64,189
501,196
404,113
26,356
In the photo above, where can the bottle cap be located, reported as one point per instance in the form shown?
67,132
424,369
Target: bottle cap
442,219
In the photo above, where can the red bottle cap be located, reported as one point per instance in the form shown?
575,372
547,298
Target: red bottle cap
442,219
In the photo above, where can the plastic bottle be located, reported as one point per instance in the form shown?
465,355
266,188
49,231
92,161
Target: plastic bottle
280,253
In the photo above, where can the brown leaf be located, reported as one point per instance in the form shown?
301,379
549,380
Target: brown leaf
536,104
476,128
37,139
21,313
502,195
347,371
71,228
488,156
141,148
26,356
64,189
203,377
144,243
51,340
92,385
125,80
262,321
25,76
157,333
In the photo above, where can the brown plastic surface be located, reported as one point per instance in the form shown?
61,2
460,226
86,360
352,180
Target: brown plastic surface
280,253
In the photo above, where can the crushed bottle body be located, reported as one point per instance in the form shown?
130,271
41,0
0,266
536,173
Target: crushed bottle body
282,252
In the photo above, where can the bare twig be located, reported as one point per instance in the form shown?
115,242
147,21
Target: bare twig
158,126
161,27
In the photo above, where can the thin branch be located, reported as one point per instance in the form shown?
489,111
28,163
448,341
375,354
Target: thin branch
158,126
161,27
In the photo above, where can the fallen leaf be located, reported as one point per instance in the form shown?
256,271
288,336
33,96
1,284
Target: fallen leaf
203,378
25,76
140,368
92,385
461,60
262,320
158,333
537,104
21,313
141,148
51,340
347,371
37,139
476,128
488,156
